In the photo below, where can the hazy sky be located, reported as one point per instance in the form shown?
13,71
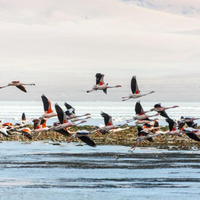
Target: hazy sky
61,44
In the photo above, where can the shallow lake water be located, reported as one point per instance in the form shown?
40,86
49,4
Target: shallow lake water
42,170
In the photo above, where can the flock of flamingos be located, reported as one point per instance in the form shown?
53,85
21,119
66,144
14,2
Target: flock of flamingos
147,128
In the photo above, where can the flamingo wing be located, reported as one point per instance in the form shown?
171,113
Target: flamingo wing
69,107
63,132
60,114
99,79
171,123
105,91
43,122
4,133
193,136
190,124
36,123
163,114
180,124
156,124
139,128
87,140
134,86
23,117
107,118
138,108
21,87
46,104
27,133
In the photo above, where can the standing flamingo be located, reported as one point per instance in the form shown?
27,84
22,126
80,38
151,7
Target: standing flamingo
18,84
135,90
100,85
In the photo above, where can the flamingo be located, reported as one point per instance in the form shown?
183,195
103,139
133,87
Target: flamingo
172,128
140,113
142,136
161,110
83,136
27,132
151,128
100,85
4,130
109,126
39,125
62,131
18,84
189,121
64,122
22,123
192,133
135,90
70,112
48,112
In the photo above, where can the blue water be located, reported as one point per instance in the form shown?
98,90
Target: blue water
118,110
44,171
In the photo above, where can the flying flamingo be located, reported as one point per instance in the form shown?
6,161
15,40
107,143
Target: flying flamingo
64,122
70,112
62,131
83,136
48,112
109,125
135,90
192,133
22,123
4,130
189,121
173,130
161,110
142,136
100,85
39,125
140,113
18,84
26,132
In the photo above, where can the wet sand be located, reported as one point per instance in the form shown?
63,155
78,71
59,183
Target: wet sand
41,170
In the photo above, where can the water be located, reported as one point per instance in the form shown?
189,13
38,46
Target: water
118,110
44,171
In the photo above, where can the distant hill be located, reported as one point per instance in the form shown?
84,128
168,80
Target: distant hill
187,8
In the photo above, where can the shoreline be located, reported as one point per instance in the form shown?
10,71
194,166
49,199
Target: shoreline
125,137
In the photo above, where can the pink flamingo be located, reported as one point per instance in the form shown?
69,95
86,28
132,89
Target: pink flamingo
140,113
18,84
135,91
161,110
100,85
48,112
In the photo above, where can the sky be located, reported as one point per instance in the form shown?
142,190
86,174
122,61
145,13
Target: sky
60,45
